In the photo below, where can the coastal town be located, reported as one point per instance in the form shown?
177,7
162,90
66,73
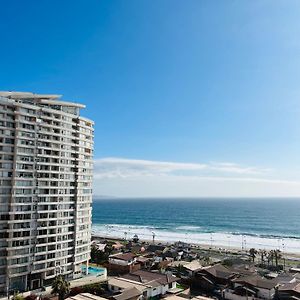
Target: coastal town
131,269
149,150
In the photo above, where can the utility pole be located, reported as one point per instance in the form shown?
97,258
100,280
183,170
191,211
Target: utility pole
153,237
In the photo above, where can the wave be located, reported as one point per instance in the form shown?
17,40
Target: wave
273,236
195,236
189,228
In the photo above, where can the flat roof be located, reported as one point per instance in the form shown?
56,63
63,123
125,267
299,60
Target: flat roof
43,98
24,95
86,296
125,284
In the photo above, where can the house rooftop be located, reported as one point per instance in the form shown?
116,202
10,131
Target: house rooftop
128,293
85,296
257,281
142,259
147,277
123,256
183,297
295,287
194,265
154,248
218,271
123,283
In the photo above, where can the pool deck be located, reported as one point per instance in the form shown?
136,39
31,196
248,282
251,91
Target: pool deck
94,271
89,279
85,280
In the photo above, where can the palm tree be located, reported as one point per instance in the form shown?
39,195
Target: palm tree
253,253
263,254
61,287
277,255
270,257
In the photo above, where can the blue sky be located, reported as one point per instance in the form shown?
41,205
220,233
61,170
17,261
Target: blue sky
197,98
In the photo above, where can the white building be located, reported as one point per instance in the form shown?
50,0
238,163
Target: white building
46,152
150,284
122,259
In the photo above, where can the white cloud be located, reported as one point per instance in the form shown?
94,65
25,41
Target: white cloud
193,186
145,178
122,167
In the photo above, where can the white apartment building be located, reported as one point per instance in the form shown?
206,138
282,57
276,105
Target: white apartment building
46,152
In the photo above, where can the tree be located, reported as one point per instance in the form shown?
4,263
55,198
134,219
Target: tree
263,254
18,296
270,257
277,256
61,287
96,255
99,257
252,253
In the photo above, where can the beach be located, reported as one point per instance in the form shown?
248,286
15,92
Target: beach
211,223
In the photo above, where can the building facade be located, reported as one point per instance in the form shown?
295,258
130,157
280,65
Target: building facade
46,160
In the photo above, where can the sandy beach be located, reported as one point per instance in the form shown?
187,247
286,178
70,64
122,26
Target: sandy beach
215,248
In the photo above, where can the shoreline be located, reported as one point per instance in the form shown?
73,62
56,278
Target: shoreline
213,240
217,248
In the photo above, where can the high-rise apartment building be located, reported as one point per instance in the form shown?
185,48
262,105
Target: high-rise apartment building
46,152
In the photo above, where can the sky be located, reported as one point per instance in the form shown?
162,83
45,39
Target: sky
189,98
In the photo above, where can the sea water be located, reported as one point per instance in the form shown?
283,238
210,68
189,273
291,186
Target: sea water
227,223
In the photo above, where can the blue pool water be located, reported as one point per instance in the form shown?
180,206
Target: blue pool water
93,270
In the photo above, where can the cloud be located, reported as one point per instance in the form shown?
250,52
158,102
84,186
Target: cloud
123,168
124,177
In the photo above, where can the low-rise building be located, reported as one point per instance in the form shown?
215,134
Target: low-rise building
255,286
129,294
85,296
150,284
212,278
145,262
289,291
122,263
192,267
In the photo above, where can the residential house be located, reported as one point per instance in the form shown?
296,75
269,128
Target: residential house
123,288
122,263
153,248
85,296
145,262
212,278
185,297
149,283
192,267
254,285
132,293
289,291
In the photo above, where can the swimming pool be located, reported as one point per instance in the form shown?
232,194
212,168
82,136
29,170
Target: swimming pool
95,271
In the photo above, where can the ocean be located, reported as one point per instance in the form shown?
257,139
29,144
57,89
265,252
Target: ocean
227,223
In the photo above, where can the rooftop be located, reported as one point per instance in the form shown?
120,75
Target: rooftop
218,271
126,284
40,98
193,265
257,281
295,286
85,296
147,277
123,256
128,293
